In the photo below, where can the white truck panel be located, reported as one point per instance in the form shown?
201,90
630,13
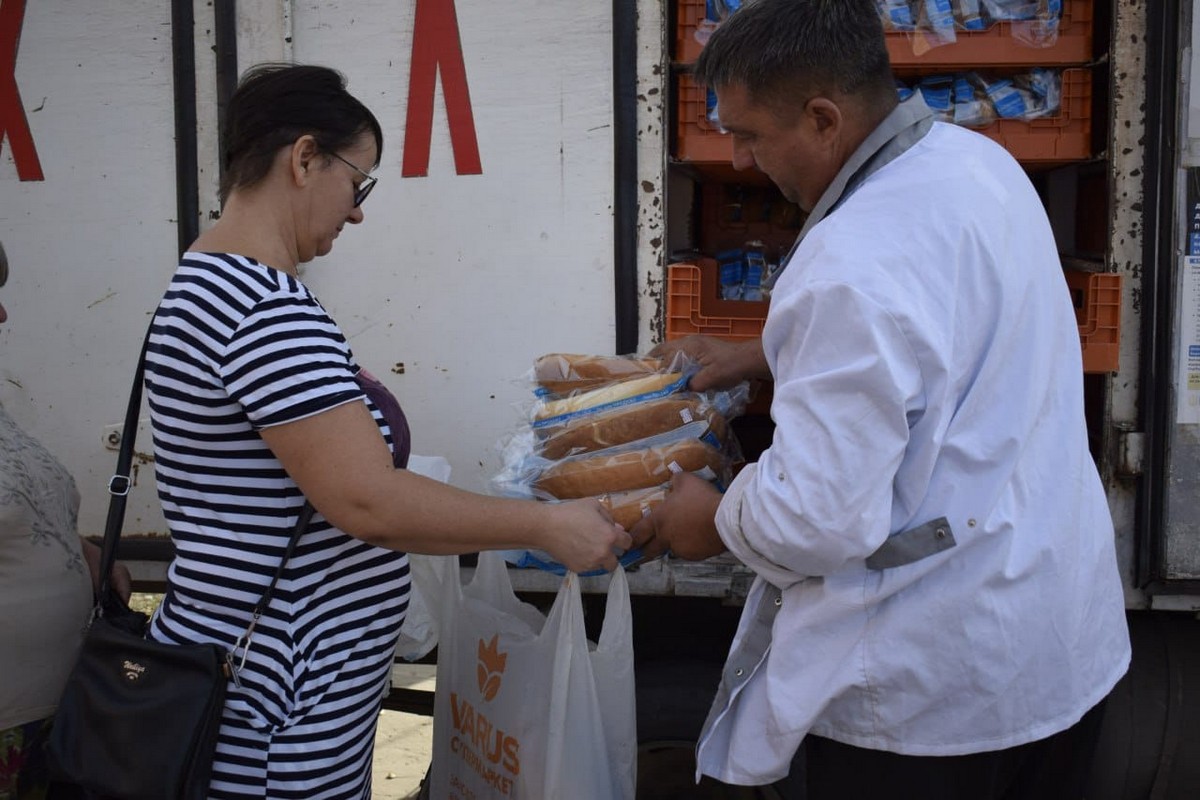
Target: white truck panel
461,279
465,279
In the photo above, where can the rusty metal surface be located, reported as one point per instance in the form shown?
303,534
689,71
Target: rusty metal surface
1126,128
652,149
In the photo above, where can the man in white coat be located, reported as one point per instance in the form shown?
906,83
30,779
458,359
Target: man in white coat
937,612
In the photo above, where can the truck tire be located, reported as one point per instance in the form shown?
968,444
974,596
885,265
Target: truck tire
673,698
1149,747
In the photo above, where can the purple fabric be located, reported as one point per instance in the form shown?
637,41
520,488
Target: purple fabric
393,415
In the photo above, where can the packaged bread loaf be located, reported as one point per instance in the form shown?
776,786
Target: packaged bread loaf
568,373
629,467
551,413
630,423
629,507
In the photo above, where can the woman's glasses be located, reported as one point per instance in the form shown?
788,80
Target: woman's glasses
364,188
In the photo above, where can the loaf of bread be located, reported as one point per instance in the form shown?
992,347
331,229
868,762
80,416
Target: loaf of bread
569,386
570,366
629,507
630,423
604,471
565,374
604,396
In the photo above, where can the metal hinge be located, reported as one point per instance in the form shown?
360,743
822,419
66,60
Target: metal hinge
1131,452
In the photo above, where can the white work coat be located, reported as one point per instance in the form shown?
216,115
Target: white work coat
928,380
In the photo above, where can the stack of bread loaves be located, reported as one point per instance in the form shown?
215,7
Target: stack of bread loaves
617,428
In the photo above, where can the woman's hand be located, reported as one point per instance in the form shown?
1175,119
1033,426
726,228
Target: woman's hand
581,535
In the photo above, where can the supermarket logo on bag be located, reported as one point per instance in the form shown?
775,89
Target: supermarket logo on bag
482,743
485,747
490,668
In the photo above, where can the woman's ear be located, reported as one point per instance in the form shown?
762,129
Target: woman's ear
304,151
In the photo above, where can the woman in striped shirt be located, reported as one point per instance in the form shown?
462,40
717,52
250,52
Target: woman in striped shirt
256,404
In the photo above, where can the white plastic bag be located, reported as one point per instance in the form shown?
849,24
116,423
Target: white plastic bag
523,708
419,633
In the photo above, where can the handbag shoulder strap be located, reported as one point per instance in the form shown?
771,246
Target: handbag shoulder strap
118,489
120,483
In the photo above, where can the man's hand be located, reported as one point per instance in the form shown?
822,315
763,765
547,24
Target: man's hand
723,364
684,524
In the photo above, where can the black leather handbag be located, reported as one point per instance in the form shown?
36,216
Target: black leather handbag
138,719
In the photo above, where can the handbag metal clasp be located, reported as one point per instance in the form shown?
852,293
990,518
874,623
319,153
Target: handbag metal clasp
231,669
118,485
92,617
236,664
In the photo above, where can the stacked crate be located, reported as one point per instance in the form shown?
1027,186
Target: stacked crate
1063,138
1043,143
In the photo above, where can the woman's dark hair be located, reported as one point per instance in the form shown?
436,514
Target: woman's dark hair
780,50
276,104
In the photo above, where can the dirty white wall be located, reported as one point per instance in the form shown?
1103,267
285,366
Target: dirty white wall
91,244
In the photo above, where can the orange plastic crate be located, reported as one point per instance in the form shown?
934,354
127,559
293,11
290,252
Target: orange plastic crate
992,47
1097,298
1039,142
698,140
690,26
694,307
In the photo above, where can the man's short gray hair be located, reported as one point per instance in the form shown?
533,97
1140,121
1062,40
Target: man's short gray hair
775,47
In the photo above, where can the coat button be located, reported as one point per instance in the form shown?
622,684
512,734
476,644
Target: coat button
940,533
739,672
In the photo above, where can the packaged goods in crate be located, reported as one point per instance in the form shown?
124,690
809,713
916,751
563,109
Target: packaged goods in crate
977,99
1063,137
743,271
943,32
616,428
936,23
1035,138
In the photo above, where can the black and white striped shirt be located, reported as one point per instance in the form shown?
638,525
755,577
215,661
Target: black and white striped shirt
235,347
